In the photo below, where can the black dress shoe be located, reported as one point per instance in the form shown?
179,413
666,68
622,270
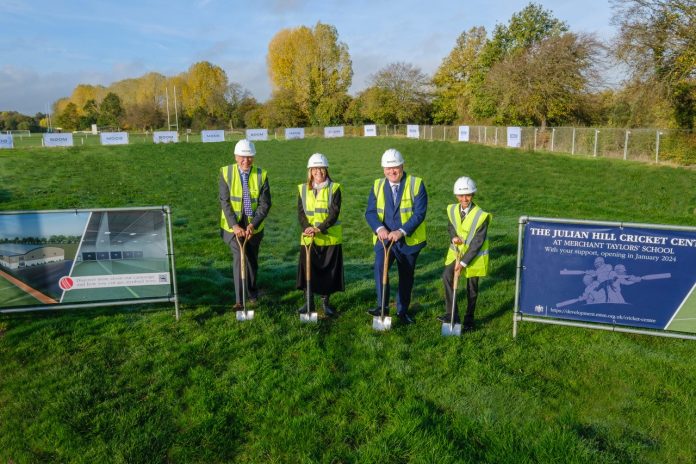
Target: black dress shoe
237,307
377,312
447,319
302,309
328,310
405,319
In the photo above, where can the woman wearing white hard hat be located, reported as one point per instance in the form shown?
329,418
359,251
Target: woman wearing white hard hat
468,251
245,200
318,211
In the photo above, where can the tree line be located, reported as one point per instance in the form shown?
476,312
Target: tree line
532,70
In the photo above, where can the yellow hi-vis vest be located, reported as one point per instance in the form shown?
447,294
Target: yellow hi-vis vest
412,187
316,209
466,230
257,177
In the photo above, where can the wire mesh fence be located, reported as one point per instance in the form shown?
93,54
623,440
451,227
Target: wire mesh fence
648,145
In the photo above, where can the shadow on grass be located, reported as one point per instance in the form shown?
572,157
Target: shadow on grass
5,195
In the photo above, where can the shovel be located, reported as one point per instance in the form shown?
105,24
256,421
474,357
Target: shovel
383,322
243,315
450,328
307,241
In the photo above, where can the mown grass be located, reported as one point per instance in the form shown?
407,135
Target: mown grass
133,385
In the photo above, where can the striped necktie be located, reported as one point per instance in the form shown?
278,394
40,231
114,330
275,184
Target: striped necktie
246,198
395,192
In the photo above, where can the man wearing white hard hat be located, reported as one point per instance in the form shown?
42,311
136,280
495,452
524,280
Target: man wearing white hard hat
468,228
396,208
245,199
318,212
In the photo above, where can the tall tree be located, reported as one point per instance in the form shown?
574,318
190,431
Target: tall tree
110,111
524,30
69,118
312,68
546,81
453,79
404,90
203,89
657,43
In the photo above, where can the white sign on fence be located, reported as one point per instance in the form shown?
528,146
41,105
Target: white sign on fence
370,130
514,137
58,140
213,136
114,138
95,130
330,132
6,141
257,134
463,133
165,137
412,131
294,133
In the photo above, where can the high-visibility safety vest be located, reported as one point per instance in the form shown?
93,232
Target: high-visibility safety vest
466,229
412,187
316,209
257,177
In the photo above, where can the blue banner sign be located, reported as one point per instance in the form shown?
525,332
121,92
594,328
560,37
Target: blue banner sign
629,276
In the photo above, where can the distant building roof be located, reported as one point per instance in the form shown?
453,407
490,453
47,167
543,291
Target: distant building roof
14,249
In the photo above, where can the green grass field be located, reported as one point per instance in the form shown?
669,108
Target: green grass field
132,385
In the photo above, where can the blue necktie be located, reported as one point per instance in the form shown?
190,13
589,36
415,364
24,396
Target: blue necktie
246,199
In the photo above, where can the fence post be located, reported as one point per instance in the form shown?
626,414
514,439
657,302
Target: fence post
596,136
444,133
657,147
535,137
553,138
572,150
626,144
496,135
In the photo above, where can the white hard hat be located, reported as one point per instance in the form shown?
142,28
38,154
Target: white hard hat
392,158
317,160
244,148
464,186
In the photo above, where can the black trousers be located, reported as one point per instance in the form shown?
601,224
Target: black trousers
471,295
252,265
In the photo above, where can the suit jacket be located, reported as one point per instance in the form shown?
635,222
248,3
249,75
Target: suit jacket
392,217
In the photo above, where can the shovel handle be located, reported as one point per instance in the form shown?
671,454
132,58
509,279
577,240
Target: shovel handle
242,247
385,270
307,242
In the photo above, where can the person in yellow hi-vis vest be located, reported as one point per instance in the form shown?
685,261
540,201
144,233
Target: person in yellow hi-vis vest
318,211
245,200
468,227
396,208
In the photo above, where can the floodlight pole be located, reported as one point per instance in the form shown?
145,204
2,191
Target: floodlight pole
169,125
176,113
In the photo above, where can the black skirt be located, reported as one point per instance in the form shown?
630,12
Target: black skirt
326,266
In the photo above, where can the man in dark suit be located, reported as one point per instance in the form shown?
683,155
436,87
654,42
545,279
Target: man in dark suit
245,200
396,208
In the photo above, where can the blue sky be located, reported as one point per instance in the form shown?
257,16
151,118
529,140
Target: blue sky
48,47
